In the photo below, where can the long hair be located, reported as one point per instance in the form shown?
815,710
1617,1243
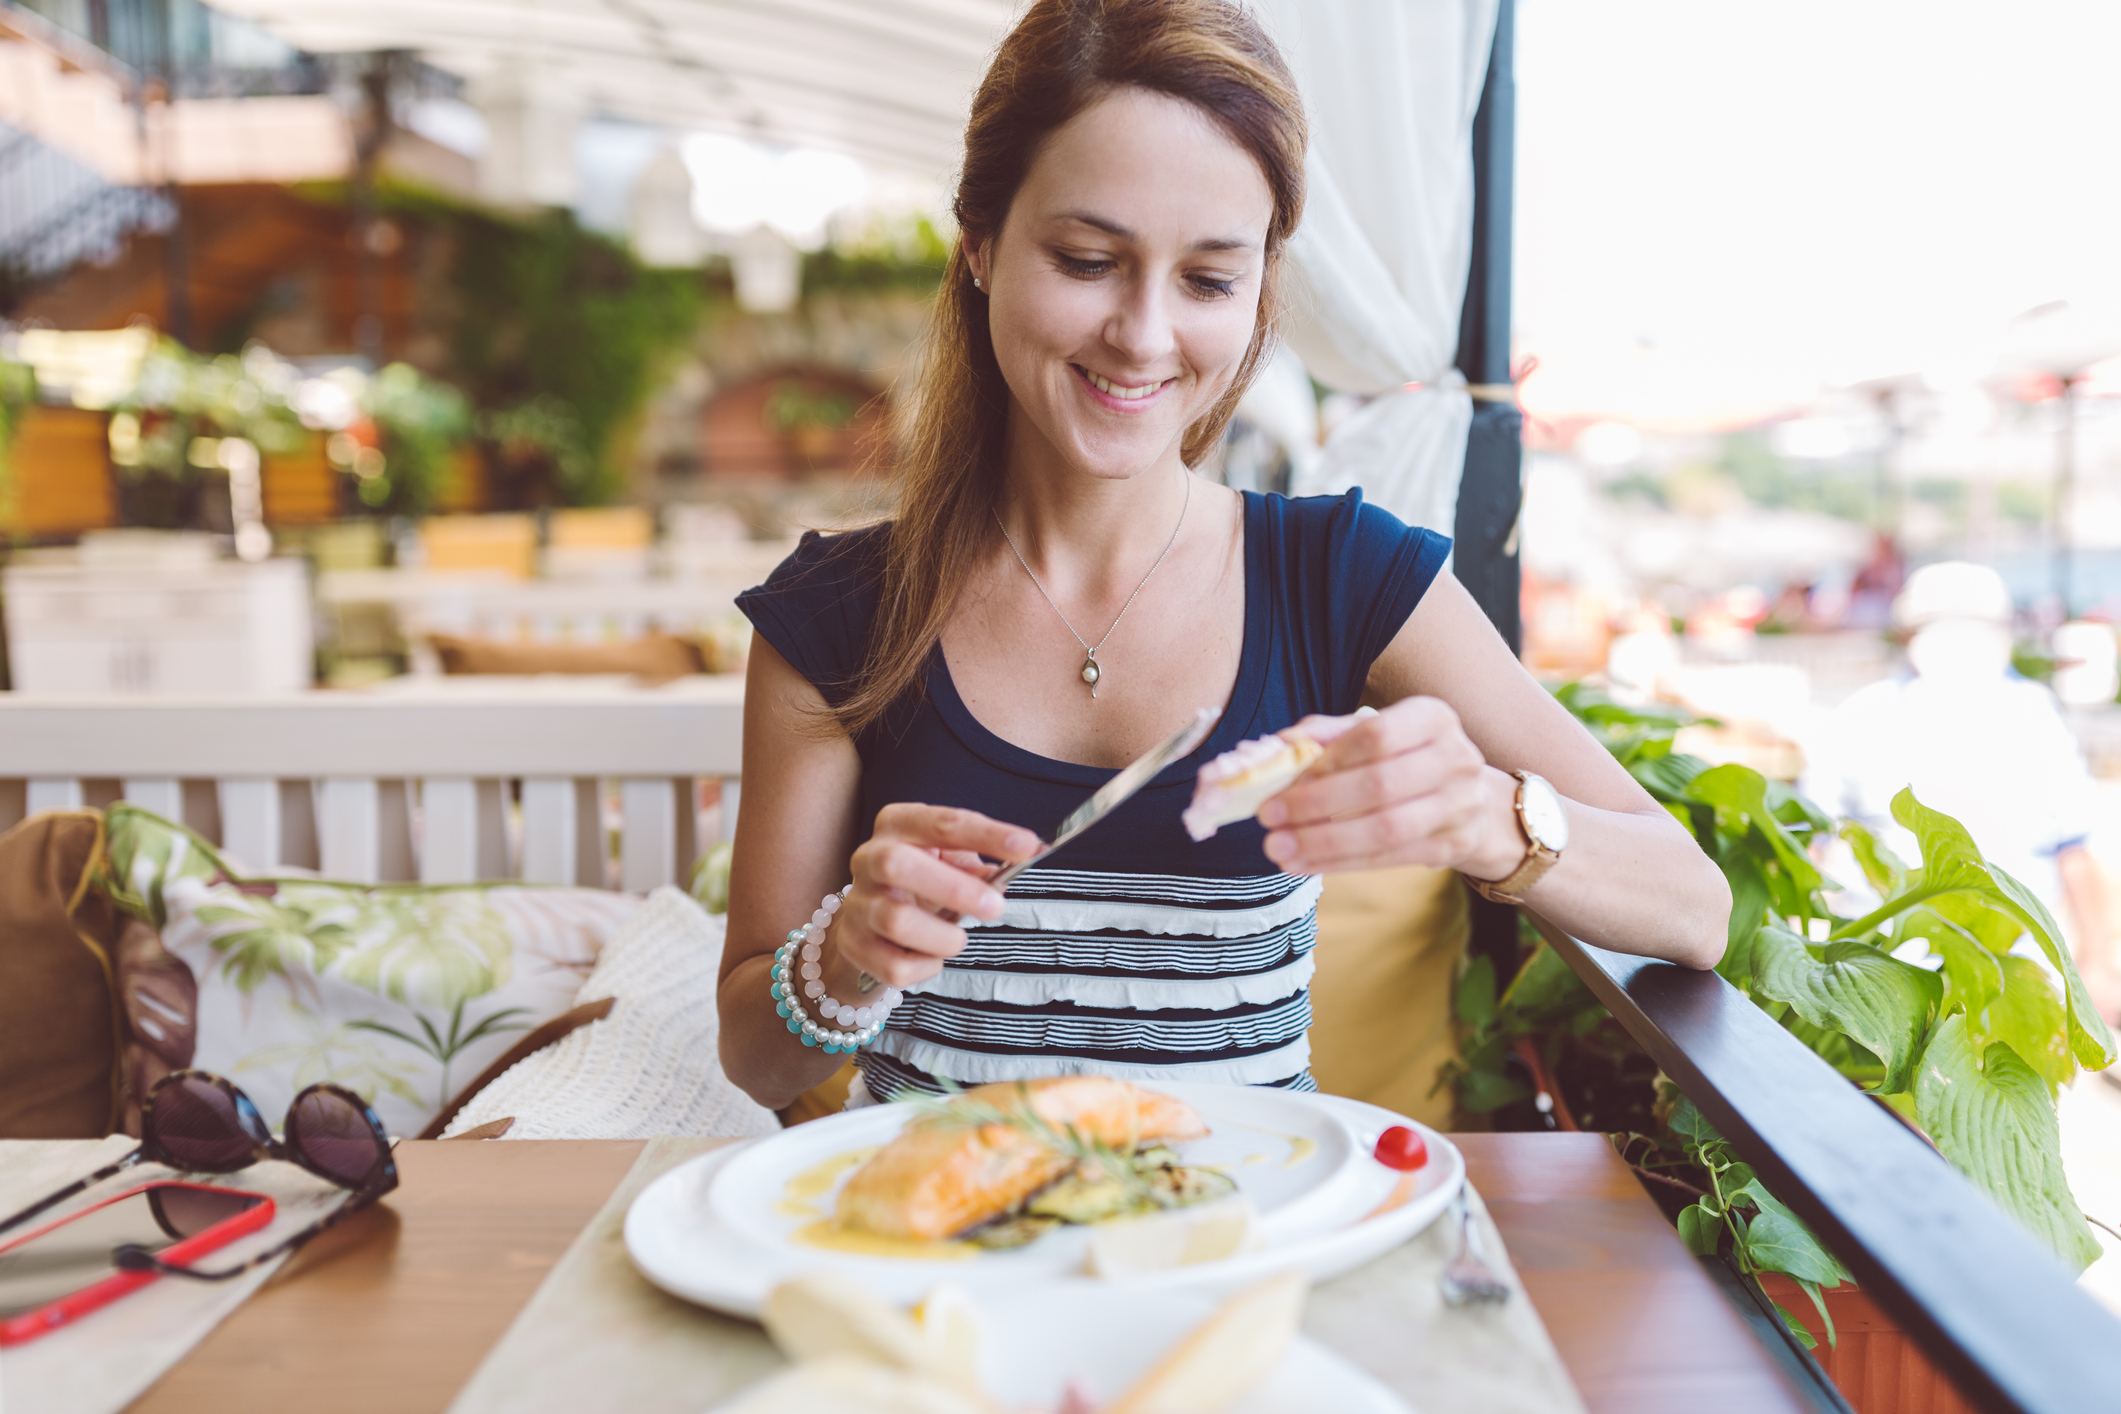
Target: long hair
1062,57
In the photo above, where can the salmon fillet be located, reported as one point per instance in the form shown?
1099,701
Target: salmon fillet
939,1178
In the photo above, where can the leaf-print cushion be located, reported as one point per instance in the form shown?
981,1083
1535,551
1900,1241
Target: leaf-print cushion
400,993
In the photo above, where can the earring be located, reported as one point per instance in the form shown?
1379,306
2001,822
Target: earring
975,283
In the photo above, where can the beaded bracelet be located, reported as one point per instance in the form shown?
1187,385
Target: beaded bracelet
861,1025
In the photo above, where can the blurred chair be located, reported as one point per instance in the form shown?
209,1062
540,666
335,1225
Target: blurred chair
507,543
612,543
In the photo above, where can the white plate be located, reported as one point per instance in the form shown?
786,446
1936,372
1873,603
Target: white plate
1297,1162
1113,1341
722,1245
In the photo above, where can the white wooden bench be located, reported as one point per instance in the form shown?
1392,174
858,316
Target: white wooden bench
474,786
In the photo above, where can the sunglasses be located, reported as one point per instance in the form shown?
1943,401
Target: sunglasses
196,1122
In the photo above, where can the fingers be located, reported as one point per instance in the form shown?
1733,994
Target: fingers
922,860
1438,829
971,863
909,871
1413,748
894,939
1405,786
1326,730
1324,795
945,827
1405,725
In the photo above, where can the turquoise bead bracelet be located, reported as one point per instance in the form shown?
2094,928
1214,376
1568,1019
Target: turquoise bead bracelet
798,967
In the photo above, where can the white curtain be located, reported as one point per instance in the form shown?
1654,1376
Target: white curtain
1378,268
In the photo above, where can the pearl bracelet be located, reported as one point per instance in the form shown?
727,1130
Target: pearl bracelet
857,1026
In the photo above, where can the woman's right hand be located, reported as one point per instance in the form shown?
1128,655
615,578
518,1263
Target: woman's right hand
922,859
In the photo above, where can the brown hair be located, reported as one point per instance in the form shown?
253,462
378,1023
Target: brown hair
1062,56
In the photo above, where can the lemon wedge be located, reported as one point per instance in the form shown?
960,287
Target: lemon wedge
1160,1241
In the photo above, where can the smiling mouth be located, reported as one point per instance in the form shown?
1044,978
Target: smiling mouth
1114,390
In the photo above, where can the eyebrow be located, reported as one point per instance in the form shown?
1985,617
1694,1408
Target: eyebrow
1113,228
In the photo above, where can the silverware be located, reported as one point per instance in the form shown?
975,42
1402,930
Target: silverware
1468,1280
1112,794
1117,791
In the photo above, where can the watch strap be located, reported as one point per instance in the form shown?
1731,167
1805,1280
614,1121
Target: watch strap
1512,887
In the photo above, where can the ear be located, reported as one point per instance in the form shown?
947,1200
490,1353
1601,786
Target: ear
978,256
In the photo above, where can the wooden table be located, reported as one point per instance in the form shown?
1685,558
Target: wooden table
394,1311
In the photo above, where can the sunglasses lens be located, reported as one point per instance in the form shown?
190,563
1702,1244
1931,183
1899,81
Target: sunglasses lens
186,1211
332,1134
198,1126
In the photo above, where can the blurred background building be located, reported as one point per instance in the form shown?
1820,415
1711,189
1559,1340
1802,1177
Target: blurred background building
458,305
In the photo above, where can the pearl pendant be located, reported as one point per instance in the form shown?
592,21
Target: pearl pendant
1090,671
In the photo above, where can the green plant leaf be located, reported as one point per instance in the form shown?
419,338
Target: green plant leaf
1739,794
2027,1017
1780,1234
1777,1242
1951,862
1811,1289
1795,810
1972,975
1667,777
1480,1091
1701,1229
1750,897
1476,994
1797,1331
1883,1003
1546,992
1881,867
1993,928
1631,734
1687,1122
1992,1116
2090,1040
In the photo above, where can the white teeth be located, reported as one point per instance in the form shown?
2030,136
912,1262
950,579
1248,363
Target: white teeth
1107,386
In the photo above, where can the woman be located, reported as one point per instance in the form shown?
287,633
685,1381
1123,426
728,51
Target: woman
1058,591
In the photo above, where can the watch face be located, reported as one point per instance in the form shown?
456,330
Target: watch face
1544,818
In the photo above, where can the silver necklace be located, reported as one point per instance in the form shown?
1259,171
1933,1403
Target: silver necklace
1092,673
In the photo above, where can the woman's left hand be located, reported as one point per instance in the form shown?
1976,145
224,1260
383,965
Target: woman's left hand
1404,786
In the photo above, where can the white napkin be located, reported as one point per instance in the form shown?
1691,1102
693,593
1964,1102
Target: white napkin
107,1359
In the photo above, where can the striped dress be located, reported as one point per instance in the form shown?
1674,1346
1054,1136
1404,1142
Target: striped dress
1134,951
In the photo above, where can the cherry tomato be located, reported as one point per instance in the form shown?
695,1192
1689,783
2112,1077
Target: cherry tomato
1401,1148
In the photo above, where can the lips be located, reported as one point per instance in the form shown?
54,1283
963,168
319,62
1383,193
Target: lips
1120,394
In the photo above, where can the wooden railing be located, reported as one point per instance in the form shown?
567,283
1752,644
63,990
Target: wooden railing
1994,1310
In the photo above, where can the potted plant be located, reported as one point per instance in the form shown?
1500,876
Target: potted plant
1929,1002
165,433
400,452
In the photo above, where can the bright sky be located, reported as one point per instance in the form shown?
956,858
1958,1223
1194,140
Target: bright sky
1723,207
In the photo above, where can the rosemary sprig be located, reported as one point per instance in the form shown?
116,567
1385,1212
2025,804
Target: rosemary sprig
957,1108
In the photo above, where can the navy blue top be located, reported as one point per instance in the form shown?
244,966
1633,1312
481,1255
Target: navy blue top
1133,950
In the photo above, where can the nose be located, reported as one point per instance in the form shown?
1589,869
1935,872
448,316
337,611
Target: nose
1139,327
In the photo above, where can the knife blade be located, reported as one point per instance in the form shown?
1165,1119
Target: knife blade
1112,794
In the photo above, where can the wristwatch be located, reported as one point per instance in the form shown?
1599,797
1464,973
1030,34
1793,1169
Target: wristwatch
1546,831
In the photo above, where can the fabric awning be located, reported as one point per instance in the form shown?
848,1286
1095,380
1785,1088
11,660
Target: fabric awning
887,81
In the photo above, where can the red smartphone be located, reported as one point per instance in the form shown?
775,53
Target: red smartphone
54,1275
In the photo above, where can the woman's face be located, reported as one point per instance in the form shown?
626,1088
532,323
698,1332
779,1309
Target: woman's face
1124,285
